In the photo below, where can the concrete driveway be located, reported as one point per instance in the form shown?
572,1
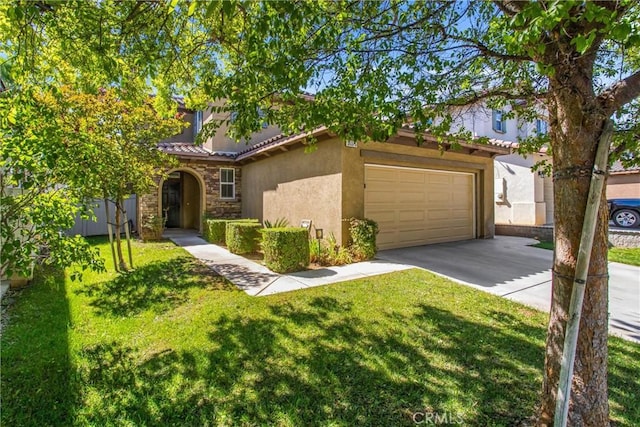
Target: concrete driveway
509,267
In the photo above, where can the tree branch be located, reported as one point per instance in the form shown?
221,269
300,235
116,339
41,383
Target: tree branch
620,93
509,8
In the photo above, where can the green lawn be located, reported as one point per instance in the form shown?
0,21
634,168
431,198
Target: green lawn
173,344
629,256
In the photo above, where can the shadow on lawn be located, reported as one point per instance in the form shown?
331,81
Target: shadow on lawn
331,367
158,286
37,388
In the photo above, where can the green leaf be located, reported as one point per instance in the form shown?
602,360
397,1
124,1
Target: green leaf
192,8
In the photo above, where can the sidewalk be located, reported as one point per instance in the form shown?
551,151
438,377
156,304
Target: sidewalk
257,280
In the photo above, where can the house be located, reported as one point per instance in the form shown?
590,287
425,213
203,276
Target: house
523,196
623,182
417,194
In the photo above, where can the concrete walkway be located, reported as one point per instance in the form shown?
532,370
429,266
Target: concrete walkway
505,266
257,280
509,267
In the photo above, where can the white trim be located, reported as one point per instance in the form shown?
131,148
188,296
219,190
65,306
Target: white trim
233,183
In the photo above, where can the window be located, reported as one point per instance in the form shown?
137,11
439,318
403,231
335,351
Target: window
197,123
541,127
499,122
227,183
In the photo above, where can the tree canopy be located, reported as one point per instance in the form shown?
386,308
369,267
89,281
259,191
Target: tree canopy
370,66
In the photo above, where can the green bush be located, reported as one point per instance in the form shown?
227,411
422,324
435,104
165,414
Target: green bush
214,229
363,238
327,252
152,228
243,237
286,249
278,223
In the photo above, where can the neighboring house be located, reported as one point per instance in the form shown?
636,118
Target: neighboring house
418,195
623,183
522,196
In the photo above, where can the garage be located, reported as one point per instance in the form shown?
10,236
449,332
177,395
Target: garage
419,206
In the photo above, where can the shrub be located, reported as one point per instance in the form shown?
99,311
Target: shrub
286,249
278,223
214,229
328,252
363,238
152,228
243,237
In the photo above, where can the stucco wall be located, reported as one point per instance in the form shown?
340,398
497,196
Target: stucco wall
524,200
221,142
187,134
296,185
354,159
623,186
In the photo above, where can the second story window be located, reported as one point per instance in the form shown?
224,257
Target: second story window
541,127
197,123
227,183
499,122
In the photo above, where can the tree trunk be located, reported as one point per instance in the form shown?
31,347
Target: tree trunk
122,263
576,126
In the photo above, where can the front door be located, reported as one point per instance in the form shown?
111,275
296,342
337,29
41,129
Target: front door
171,202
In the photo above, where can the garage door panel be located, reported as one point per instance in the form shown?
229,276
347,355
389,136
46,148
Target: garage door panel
436,215
411,198
412,215
416,207
410,177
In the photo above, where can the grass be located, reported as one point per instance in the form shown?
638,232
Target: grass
629,256
173,344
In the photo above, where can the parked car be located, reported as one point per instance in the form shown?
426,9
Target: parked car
624,212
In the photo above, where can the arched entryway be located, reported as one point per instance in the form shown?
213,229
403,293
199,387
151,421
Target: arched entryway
182,199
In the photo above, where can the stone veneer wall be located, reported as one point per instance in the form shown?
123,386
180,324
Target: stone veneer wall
210,174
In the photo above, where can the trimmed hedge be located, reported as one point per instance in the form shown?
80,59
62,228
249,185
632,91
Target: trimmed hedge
214,229
363,238
243,237
286,249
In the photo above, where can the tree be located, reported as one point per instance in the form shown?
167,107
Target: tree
370,66
35,208
116,142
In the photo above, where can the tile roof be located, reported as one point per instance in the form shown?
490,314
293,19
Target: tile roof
187,149
278,141
617,168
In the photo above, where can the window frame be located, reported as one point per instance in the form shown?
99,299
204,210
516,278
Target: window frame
542,127
227,183
502,128
197,122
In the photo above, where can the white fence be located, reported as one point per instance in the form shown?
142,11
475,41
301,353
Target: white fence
87,227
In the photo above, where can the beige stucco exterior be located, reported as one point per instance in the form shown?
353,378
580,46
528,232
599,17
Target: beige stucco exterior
327,185
296,185
624,186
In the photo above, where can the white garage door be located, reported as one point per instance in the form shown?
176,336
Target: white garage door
417,206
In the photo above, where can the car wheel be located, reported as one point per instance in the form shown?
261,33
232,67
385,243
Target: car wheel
626,218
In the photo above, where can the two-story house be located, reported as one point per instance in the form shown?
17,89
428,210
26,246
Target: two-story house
417,194
522,196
